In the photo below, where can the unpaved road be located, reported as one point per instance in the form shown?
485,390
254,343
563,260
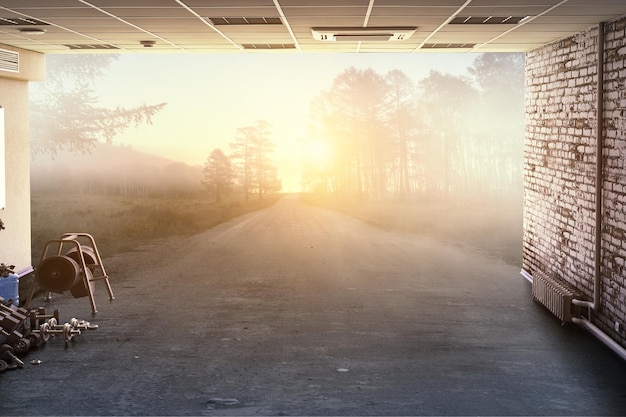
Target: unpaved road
295,310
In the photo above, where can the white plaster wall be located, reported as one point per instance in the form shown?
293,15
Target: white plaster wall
15,247
15,239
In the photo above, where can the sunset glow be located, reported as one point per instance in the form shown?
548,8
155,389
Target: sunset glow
317,153
346,123
206,103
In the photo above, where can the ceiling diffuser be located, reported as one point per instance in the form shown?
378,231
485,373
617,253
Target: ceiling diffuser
362,34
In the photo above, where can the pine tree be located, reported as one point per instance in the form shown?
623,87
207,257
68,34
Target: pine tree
218,174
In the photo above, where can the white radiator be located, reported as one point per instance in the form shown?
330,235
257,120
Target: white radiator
555,296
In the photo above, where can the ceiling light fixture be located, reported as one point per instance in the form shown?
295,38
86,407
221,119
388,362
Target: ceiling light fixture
488,20
360,34
32,31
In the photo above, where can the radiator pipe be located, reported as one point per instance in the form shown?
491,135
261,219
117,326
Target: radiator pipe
595,304
585,322
526,275
603,337
590,327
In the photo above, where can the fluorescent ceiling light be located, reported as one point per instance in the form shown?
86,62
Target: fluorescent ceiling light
359,34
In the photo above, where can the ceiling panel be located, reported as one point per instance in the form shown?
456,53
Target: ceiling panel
243,4
87,25
425,3
324,3
40,3
415,11
145,22
476,37
308,23
514,3
180,25
51,13
589,10
324,11
236,12
128,12
130,3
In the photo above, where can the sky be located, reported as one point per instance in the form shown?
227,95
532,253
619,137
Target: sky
209,96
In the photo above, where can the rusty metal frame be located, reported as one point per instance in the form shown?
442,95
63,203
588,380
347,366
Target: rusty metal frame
73,239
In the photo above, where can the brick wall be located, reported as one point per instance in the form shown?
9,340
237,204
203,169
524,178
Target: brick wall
560,168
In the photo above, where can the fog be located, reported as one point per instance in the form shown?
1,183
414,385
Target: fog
395,145
357,253
113,170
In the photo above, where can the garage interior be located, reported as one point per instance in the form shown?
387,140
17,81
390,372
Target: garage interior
575,154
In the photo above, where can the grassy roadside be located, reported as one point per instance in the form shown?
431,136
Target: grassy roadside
494,227
120,223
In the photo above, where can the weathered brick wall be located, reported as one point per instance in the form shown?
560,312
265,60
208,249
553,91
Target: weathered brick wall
560,168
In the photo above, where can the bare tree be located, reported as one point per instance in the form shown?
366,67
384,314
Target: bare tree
263,146
449,103
65,112
402,119
500,80
449,135
218,174
351,116
251,151
243,153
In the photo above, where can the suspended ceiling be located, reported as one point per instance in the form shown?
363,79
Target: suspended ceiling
285,26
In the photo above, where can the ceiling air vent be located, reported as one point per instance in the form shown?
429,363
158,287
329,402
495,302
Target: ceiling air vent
253,46
91,46
487,20
15,21
226,21
448,46
359,34
9,61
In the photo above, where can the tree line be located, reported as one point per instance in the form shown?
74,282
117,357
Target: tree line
249,165
442,137
387,136
65,118
64,111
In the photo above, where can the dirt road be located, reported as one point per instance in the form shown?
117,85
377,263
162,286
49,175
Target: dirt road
295,310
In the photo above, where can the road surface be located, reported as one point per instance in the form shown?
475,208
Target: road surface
297,310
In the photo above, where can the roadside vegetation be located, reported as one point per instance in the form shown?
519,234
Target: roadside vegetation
120,223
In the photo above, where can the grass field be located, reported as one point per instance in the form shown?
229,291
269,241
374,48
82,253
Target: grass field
494,227
120,223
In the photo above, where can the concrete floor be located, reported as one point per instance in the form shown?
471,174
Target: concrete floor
301,311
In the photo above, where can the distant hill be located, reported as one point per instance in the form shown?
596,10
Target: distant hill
113,169
101,154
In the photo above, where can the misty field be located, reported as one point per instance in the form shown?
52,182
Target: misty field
493,227
120,223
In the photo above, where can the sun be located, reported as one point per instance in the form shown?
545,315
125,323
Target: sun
317,152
